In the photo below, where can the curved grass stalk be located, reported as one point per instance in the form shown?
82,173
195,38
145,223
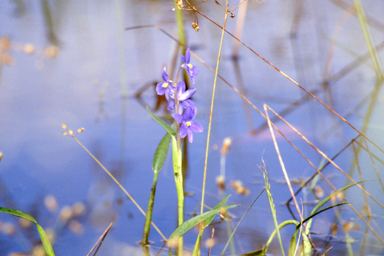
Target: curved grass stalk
70,132
337,167
44,238
272,206
211,111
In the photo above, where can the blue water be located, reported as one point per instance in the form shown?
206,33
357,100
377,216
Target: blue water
83,86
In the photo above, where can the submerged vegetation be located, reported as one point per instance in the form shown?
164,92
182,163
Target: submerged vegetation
315,199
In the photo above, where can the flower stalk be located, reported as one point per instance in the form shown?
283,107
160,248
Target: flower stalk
184,113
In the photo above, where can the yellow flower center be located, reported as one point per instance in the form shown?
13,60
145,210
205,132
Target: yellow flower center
165,85
188,123
190,65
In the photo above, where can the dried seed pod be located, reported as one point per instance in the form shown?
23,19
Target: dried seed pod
29,49
195,26
226,145
50,203
220,181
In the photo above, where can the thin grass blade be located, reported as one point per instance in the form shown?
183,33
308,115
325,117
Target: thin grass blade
44,238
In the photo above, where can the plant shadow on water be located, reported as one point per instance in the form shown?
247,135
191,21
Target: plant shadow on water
312,134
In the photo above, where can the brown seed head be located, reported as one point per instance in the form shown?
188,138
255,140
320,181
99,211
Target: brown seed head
29,49
51,51
220,181
50,203
195,26
226,145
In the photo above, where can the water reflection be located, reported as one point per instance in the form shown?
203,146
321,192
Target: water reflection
60,62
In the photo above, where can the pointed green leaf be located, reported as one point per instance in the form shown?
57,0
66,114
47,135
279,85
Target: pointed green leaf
162,123
44,238
161,153
217,207
292,244
322,202
193,222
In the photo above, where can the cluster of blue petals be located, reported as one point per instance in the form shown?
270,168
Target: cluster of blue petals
186,108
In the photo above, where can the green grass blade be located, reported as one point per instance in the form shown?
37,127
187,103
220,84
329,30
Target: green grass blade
283,224
292,244
273,209
322,210
158,162
217,207
162,123
161,153
322,202
233,232
306,249
44,238
264,250
193,222
196,249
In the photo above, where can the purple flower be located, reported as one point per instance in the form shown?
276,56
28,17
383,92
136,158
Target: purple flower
166,87
183,97
187,125
192,70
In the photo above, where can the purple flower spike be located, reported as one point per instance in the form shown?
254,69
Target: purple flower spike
187,125
166,87
183,97
192,70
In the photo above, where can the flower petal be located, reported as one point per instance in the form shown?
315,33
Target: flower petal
186,95
196,127
180,88
188,104
160,90
189,114
179,118
187,55
164,75
171,105
183,130
190,135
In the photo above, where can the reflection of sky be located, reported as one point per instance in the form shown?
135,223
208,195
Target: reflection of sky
38,94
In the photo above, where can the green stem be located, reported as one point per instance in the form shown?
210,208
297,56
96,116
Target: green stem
177,157
148,217
177,168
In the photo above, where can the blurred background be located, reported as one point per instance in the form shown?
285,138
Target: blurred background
73,62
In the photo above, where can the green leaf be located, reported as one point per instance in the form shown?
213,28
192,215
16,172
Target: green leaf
281,225
292,244
161,153
44,238
306,249
193,222
217,207
322,202
162,123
